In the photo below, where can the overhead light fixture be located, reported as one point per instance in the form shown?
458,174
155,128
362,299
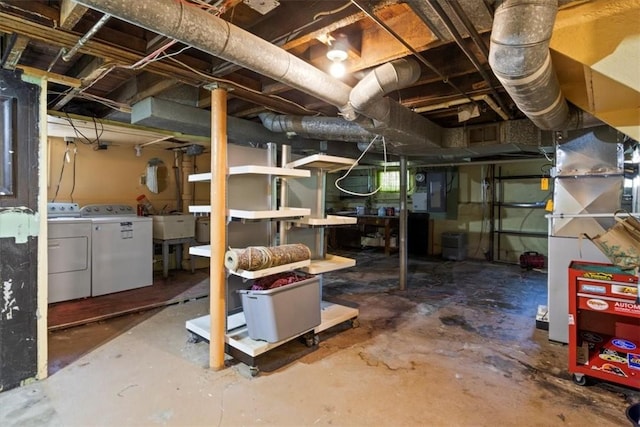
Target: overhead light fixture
337,69
337,54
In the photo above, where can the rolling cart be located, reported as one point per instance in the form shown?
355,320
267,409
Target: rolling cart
604,324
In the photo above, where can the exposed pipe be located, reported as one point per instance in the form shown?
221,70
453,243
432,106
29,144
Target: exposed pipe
461,44
84,39
520,59
195,27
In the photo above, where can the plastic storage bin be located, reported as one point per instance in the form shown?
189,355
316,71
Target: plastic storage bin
203,230
277,314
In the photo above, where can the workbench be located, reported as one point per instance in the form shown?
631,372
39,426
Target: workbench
390,224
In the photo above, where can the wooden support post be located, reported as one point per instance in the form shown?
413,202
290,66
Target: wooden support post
217,305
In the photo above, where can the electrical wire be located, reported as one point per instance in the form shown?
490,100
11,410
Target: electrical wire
331,12
64,160
73,178
82,137
352,193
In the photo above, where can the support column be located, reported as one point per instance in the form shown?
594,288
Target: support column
186,167
403,223
217,305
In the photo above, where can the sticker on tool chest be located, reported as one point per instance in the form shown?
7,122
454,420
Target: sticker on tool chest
633,360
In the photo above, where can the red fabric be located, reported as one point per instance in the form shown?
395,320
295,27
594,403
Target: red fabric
275,281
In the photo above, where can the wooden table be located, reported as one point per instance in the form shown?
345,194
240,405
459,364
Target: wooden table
388,222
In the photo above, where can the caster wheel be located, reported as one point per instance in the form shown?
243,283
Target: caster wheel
254,371
316,339
355,323
308,341
193,338
580,379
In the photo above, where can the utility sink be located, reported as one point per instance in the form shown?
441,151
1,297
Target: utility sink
168,227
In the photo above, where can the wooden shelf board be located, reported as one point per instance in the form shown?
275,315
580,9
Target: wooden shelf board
246,214
267,170
322,161
329,263
334,314
269,271
255,170
202,250
200,177
331,315
328,221
279,213
237,338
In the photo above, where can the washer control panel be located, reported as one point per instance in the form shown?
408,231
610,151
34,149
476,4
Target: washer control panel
107,210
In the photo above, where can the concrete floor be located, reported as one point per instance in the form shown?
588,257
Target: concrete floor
458,348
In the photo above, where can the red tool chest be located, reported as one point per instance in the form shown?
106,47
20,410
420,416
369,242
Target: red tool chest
604,324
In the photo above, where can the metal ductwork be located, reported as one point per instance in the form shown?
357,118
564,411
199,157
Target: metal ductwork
398,124
520,59
197,28
367,97
326,128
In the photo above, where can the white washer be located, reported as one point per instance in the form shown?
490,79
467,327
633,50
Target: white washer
121,249
69,252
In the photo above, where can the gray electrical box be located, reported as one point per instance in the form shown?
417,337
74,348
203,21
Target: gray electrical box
419,202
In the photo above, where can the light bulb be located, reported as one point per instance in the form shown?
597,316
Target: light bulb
337,69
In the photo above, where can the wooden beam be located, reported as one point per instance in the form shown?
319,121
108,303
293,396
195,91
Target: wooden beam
71,13
92,71
51,77
20,43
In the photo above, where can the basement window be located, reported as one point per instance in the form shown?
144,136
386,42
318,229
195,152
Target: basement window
389,181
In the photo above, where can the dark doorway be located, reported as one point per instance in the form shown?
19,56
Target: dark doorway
19,136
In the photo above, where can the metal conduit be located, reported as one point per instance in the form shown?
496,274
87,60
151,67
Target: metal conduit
83,40
468,25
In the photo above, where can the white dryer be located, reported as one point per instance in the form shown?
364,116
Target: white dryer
121,248
69,252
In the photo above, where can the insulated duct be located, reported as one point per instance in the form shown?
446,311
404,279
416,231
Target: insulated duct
399,125
395,122
197,28
520,59
329,128
367,97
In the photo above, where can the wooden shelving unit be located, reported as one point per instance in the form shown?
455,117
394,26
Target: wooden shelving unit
244,184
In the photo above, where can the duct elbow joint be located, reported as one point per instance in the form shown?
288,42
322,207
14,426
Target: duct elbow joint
348,113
